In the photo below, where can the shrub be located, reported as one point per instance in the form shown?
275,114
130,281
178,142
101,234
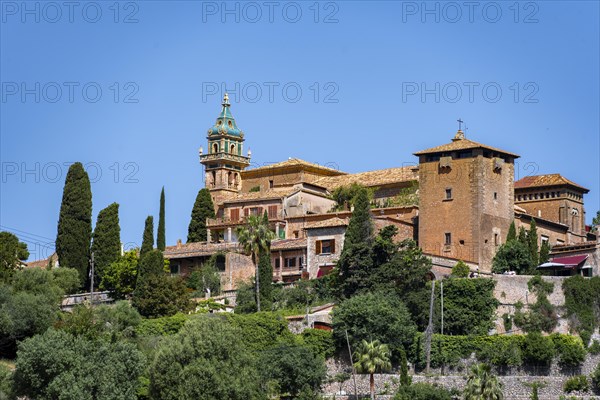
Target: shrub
582,300
159,295
569,349
319,341
595,377
538,349
6,381
422,391
578,383
594,347
262,330
460,270
162,326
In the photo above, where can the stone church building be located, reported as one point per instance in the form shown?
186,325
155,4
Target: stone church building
457,202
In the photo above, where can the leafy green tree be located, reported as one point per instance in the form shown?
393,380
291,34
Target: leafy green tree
161,295
372,357
151,263
544,252
596,222
538,349
582,301
203,209
28,307
460,270
532,238
512,256
106,246
261,331
67,279
344,196
120,277
255,238
265,272
355,263
245,301
6,382
212,360
206,278
512,232
482,384
161,241
374,316
57,365
148,238
422,391
294,369
523,237
12,252
75,222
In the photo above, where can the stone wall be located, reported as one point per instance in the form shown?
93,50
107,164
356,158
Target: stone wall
515,386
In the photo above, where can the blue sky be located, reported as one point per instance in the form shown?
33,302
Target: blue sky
130,91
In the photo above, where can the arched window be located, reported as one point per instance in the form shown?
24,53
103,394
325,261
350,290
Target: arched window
232,149
215,148
214,178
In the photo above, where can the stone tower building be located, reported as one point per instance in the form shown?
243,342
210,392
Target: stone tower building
466,200
224,160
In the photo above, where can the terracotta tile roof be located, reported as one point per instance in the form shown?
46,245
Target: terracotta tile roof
253,196
546,180
462,144
327,223
295,163
43,263
288,244
371,178
198,249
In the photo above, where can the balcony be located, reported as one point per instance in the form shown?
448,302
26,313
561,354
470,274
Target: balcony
225,156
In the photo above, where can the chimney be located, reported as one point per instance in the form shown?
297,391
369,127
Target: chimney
178,243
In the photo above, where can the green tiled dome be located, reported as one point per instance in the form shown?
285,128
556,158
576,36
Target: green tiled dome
225,124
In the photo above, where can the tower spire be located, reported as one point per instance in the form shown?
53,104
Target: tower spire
225,100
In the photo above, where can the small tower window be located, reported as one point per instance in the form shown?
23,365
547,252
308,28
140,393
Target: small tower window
229,124
271,184
495,195
232,149
448,194
215,148
447,238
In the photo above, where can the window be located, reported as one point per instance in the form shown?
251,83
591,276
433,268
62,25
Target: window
300,261
545,239
277,263
290,262
325,246
495,195
272,210
271,184
234,214
447,238
296,234
496,239
560,242
175,269
448,194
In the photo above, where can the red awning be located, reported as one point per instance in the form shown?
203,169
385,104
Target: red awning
572,261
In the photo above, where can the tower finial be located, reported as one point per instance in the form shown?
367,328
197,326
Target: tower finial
225,100
460,135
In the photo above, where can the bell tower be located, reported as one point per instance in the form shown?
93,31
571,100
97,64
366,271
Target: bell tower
224,161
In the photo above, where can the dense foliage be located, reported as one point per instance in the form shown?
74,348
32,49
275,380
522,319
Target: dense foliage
106,245
75,222
57,365
161,295
520,253
205,360
422,391
206,278
460,270
541,316
374,316
203,209
120,277
582,301
12,252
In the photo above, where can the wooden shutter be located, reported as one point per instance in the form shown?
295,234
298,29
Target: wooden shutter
332,244
246,212
318,249
234,214
272,212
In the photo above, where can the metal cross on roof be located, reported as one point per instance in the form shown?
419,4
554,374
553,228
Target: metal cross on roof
460,122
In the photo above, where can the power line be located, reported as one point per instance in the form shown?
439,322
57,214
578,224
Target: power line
25,233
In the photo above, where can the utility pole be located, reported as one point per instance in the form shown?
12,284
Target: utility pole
429,330
442,298
92,280
352,363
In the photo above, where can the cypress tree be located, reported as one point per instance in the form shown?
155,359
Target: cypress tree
512,232
161,240
148,239
203,209
532,237
356,261
107,239
74,234
151,263
544,252
523,237
265,273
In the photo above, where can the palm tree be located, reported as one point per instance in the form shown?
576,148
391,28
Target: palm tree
372,357
255,237
482,385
